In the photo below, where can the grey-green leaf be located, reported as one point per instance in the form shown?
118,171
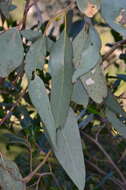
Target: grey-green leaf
80,95
95,84
61,70
89,55
10,177
11,52
31,34
35,57
39,98
112,103
69,151
116,123
4,8
115,14
88,7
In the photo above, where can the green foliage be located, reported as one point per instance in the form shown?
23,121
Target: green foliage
62,80
9,173
10,45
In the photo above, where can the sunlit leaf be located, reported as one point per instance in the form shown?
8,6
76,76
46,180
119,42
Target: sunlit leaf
88,7
35,57
39,98
61,70
114,13
69,151
11,52
80,95
86,52
95,84
116,123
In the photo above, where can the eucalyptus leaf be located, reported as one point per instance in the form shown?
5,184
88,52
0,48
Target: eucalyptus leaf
11,52
114,13
112,103
35,57
4,8
116,123
86,52
31,34
89,7
10,177
76,28
61,70
49,44
95,84
39,98
69,151
14,139
80,95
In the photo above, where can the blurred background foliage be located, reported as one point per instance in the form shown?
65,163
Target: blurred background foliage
22,138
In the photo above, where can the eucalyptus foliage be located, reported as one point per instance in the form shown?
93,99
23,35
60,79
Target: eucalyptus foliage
74,63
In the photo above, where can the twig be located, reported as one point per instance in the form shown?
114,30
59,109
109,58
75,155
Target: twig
99,170
33,173
107,156
39,16
12,108
27,7
115,46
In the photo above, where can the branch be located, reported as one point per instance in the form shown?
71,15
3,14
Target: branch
33,173
12,108
26,9
107,156
114,47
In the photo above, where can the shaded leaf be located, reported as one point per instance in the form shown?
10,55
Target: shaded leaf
10,177
75,28
121,77
61,70
11,52
49,44
116,123
79,95
86,121
69,151
115,15
35,57
31,34
13,139
89,7
95,84
4,8
86,52
112,103
39,98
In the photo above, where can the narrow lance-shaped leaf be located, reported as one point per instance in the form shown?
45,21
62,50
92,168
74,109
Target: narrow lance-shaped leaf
89,7
80,95
35,57
39,98
11,52
116,123
112,103
95,84
61,70
69,151
87,55
114,13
